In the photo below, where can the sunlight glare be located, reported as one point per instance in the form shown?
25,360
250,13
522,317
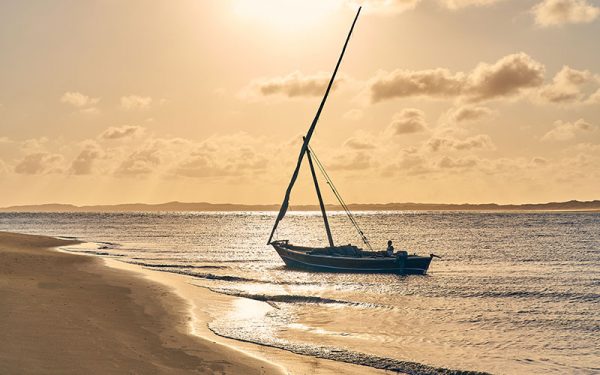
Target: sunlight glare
285,14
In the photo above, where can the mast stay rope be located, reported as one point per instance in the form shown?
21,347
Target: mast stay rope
339,198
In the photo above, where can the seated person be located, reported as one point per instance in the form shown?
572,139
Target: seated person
390,249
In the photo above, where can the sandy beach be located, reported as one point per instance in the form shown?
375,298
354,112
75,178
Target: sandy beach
70,314
64,313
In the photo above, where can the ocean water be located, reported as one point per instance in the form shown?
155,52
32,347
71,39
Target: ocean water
514,293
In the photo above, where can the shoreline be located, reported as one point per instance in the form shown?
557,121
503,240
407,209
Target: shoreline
81,313
201,315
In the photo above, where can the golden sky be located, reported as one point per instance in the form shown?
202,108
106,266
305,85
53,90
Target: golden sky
437,100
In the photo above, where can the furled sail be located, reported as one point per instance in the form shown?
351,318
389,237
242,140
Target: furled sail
286,199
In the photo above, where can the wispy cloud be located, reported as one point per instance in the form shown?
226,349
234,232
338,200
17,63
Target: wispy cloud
293,85
468,113
560,12
383,7
481,141
40,163
120,132
84,103
78,99
565,131
135,102
458,4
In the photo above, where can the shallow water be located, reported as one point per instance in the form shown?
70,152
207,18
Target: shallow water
513,292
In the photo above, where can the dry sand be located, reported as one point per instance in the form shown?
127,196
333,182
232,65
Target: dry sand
63,313
69,314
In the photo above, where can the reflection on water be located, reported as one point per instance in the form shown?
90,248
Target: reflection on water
514,292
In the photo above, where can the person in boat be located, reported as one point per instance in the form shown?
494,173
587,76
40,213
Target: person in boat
390,249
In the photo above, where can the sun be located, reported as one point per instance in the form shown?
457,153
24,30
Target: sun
286,14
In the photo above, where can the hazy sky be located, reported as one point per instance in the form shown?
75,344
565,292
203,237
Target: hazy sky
437,100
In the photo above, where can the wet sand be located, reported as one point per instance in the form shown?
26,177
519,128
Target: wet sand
64,313
70,314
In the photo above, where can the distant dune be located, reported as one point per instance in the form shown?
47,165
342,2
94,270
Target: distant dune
204,206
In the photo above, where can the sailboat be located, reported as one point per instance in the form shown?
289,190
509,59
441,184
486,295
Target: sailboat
336,258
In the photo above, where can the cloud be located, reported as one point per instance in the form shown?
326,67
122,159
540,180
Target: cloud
222,156
139,163
89,111
468,113
359,144
249,160
84,104
294,85
125,131
205,163
3,166
353,114
559,12
410,161
40,163
358,161
391,7
383,7
414,162
135,102
539,161
480,141
506,77
594,98
565,86
457,4
564,131
408,121
84,162
78,99
32,145
447,162
201,164
440,83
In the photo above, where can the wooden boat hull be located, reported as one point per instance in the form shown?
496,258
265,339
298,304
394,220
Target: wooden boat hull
301,257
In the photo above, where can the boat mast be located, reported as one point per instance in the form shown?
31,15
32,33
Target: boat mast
325,221
286,198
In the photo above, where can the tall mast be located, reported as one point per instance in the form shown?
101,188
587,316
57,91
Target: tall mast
286,199
325,221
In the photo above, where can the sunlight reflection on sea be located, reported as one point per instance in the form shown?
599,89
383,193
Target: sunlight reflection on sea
513,292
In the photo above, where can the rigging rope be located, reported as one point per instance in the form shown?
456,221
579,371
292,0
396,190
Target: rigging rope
339,198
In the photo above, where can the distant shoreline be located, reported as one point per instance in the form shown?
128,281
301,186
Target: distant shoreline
573,205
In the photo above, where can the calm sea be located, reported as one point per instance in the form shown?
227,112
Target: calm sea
514,293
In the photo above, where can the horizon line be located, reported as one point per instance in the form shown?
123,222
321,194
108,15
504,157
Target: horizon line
392,206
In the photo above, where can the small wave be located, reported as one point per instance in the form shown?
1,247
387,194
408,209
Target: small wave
285,298
111,244
67,237
201,260
92,252
238,260
176,266
188,271
571,296
212,276
348,356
